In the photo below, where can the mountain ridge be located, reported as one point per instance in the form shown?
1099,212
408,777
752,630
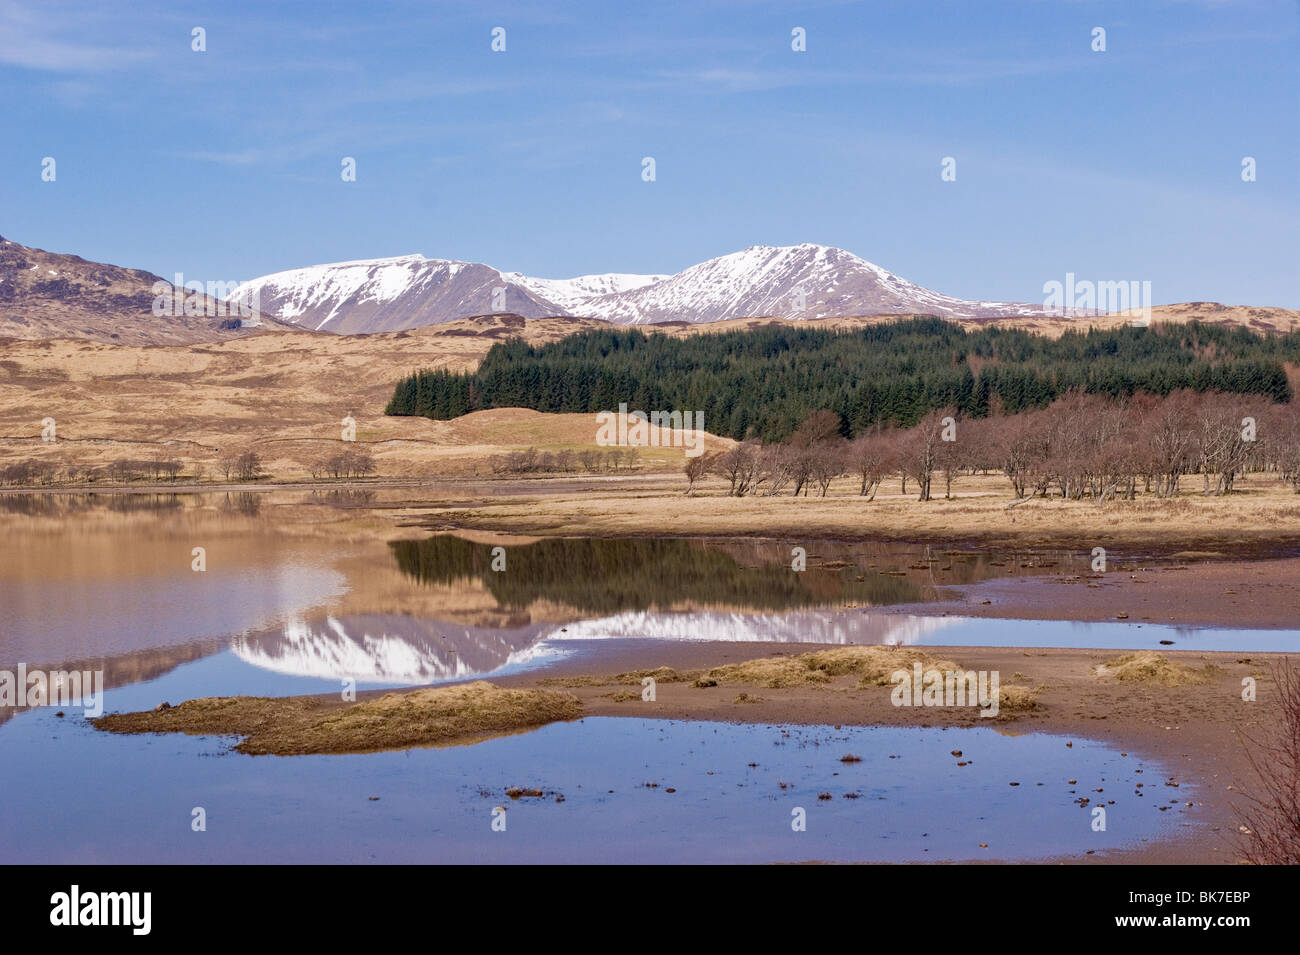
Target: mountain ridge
805,281
47,295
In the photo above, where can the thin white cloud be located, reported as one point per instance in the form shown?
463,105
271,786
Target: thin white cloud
38,38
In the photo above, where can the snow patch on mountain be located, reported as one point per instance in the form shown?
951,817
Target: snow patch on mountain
573,294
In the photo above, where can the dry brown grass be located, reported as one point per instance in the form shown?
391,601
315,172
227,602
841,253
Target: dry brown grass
659,675
1017,699
1151,668
292,726
1263,510
631,678
872,664
284,394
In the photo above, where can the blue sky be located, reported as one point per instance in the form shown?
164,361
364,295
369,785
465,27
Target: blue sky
225,164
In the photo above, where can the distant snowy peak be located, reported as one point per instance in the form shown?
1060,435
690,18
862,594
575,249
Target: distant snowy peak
798,281
382,295
575,293
320,294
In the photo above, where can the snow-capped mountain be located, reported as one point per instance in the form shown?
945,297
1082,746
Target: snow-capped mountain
800,281
385,295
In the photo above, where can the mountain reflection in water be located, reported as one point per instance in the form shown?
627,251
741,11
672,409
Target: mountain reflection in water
380,648
592,589
599,575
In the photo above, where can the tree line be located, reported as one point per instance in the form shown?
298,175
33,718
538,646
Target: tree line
565,461
1080,447
233,464
762,383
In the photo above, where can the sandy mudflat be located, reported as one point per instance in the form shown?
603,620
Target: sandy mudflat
1242,594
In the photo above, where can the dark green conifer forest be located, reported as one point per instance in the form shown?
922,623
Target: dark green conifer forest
761,383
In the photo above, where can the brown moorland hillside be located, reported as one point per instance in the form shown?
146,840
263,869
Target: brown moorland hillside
285,393
46,295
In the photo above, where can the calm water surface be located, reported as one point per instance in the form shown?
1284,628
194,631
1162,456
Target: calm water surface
606,797
303,590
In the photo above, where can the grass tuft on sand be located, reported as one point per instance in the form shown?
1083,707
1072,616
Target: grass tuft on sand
873,664
1017,699
631,678
1149,667
291,726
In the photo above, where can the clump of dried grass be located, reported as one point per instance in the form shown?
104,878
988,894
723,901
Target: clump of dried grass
660,675
293,726
1149,667
574,682
1017,699
630,678
874,665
